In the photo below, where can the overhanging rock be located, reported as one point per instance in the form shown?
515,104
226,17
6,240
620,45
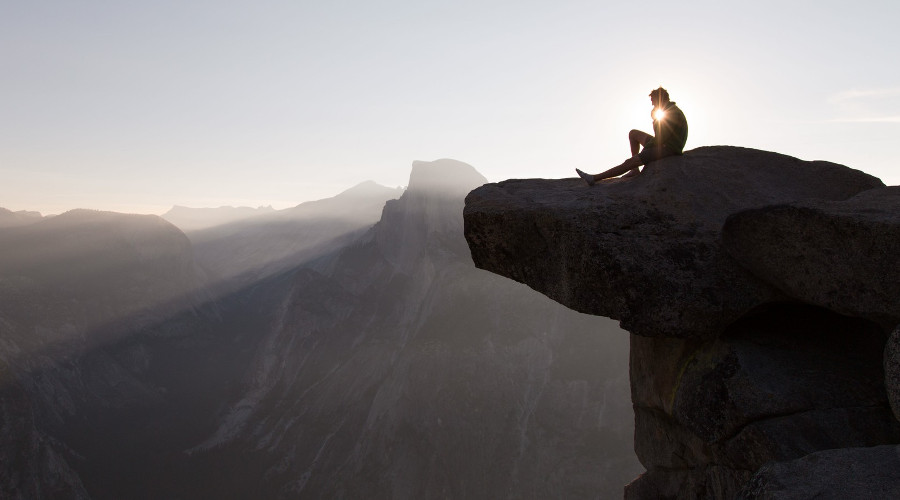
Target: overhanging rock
647,250
841,255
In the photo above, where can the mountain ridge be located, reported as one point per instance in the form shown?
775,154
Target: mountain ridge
382,364
425,379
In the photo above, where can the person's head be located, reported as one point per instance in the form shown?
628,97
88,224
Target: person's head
659,96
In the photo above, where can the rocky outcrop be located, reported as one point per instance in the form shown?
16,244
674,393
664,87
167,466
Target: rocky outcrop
647,250
847,474
842,255
759,290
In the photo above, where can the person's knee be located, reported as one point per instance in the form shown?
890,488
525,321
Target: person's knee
638,136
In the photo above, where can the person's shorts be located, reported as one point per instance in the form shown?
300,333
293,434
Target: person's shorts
653,151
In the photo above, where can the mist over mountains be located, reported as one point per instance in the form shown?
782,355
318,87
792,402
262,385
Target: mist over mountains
243,251
194,219
345,348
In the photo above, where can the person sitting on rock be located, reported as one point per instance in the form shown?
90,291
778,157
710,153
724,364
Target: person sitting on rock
670,130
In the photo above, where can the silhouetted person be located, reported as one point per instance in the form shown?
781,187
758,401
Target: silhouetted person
670,131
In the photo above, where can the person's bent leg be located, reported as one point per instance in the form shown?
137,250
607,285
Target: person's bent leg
636,139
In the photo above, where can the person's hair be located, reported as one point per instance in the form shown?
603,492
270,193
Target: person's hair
661,93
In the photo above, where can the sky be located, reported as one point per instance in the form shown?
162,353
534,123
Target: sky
137,106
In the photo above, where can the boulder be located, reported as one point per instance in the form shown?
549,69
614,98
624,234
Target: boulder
842,474
842,255
647,250
783,382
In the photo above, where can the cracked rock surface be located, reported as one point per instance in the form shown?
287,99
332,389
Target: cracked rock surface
759,289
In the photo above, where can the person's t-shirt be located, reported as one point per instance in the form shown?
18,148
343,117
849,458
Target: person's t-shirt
672,131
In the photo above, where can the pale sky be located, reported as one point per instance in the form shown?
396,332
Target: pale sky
135,106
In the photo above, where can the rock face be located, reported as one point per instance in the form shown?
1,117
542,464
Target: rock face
843,255
892,371
759,290
646,251
846,474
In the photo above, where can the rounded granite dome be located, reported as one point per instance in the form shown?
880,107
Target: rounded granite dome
447,176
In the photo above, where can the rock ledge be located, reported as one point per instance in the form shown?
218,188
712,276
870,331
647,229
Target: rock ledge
759,289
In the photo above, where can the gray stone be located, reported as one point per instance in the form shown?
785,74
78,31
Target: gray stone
710,483
779,384
660,484
842,474
843,255
661,442
758,288
646,250
892,371
781,361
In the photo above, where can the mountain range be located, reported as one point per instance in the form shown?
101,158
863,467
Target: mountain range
345,348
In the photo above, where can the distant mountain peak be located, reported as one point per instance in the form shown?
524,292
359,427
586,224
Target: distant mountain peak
8,218
447,176
367,189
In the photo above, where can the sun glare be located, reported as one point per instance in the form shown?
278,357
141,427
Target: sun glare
658,114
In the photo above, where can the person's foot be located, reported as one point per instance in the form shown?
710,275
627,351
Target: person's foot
587,177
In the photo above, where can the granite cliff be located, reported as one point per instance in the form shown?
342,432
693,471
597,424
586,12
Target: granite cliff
760,292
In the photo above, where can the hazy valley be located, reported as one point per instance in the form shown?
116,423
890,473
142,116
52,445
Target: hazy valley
344,348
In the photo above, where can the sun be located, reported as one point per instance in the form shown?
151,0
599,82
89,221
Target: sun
659,114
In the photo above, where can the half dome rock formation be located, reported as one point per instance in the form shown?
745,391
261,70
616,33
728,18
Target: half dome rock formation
759,289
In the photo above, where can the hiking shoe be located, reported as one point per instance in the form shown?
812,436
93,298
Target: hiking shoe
587,177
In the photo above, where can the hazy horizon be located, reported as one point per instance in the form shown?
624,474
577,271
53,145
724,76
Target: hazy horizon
200,207
140,107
